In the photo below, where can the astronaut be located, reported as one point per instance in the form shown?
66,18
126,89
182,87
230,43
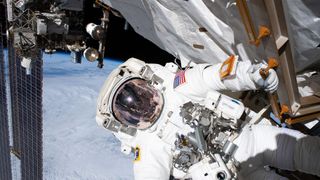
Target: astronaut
142,105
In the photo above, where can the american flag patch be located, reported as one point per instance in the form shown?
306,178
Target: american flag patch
179,79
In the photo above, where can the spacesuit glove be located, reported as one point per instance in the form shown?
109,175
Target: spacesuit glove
270,84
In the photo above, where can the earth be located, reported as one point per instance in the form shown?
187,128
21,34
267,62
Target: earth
75,147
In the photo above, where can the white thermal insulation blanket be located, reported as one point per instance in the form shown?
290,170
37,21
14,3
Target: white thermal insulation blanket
211,30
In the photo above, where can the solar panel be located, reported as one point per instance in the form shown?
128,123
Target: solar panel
5,163
26,98
30,89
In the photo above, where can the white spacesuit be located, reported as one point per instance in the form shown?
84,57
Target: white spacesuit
142,104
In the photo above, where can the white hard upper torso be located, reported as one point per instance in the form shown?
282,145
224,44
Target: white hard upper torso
164,132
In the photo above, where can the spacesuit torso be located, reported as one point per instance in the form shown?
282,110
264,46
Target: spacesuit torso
155,147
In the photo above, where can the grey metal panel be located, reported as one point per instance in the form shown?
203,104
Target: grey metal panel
5,164
302,19
14,99
74,5
26,99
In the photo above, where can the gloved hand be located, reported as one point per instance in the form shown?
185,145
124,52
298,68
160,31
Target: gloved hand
270,84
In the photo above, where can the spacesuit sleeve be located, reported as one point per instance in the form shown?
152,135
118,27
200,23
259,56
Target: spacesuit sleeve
153,159
283,148
205,77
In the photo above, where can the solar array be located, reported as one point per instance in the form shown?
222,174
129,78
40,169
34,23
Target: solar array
5,163
26,104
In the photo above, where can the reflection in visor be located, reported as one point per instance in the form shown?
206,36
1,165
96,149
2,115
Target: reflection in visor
137,103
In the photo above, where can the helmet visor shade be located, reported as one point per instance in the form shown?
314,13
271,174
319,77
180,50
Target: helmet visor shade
136,103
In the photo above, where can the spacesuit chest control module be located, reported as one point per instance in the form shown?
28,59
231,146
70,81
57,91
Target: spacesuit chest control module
215,126
177,123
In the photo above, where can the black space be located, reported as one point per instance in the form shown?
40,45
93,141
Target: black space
128,44
123,44
2,20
